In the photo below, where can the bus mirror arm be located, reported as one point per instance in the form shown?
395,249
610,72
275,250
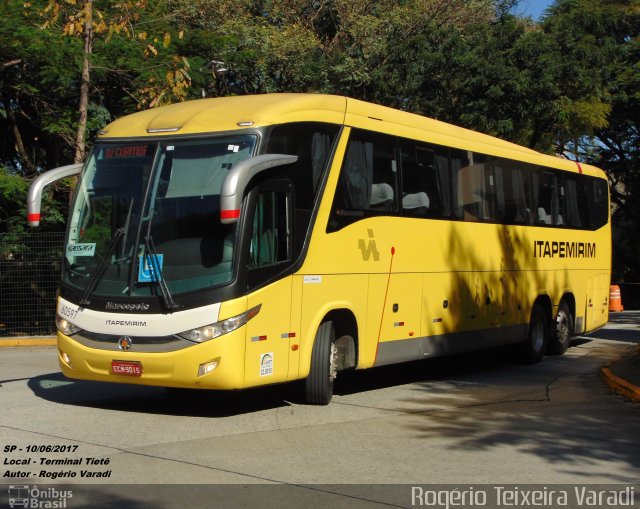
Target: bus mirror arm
34,198
239,177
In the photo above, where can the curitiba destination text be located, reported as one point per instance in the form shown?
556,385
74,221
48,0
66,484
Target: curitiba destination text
546,249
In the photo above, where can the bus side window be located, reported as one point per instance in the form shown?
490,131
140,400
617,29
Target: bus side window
270,243
368,182
270,233
598,203
475,185
425,179
547,210
576,203
511,192
383,170
312,142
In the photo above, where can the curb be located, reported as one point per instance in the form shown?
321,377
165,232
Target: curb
35,341
620,385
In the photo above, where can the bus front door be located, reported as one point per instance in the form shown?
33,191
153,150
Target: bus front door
270,255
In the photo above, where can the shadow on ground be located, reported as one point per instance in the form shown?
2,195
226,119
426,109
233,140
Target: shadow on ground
217,404
158,400
581,425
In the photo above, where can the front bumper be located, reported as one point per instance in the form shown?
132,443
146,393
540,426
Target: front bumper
179,368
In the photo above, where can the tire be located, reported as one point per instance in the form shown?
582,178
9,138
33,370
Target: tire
533,349
319,383
561,330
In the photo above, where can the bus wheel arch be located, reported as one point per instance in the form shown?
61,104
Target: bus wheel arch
334,349
532,350
562,326
346,331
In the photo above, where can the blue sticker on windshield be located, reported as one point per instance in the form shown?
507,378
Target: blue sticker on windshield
147,269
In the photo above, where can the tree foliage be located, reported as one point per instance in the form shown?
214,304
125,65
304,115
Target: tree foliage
567,84
600,106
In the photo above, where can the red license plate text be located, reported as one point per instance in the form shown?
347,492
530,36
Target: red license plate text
126,368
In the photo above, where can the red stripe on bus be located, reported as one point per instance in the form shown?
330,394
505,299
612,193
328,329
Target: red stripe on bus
579,167
230,214
384,302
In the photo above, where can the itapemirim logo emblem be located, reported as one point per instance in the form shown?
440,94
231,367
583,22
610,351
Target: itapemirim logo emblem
368,249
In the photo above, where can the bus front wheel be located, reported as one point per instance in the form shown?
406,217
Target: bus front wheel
532,350
319,383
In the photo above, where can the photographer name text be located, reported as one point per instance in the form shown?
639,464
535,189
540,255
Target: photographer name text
514,496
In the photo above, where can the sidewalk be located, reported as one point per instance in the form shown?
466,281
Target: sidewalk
623,375
29,341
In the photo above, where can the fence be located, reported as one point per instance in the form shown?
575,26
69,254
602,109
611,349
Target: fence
30,267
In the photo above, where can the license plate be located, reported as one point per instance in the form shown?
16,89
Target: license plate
126,368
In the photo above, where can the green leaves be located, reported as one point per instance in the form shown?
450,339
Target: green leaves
569,84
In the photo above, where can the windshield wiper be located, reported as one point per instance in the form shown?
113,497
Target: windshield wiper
156,274
103,262
126,231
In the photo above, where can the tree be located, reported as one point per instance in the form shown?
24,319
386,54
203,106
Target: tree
87,22
330,46
566,85
29,99
599,121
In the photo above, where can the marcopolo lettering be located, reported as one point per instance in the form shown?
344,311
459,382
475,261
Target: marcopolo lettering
554,249
122,306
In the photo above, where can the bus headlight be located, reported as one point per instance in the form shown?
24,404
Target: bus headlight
65,326
207,332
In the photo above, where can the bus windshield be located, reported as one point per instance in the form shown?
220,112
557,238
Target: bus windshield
161,194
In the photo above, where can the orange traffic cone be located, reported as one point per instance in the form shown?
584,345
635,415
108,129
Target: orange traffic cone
615,298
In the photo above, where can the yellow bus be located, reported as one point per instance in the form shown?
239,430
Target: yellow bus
235,242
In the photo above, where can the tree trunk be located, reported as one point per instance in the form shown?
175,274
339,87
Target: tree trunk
29,169
83,106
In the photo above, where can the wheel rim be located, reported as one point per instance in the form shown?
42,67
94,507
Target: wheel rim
562,326
333,366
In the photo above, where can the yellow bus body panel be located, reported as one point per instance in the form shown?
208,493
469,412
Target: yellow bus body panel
267,336
448,276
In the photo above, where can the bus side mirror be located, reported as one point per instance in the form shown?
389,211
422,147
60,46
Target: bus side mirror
34,198
237,179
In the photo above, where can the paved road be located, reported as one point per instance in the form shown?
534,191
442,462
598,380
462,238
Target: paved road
468,420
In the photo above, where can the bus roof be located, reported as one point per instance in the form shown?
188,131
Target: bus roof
226,114
229,114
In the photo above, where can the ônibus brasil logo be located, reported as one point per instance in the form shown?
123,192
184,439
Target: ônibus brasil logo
34,497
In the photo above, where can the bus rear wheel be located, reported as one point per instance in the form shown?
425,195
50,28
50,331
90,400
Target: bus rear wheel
319,383
561,331
533,349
